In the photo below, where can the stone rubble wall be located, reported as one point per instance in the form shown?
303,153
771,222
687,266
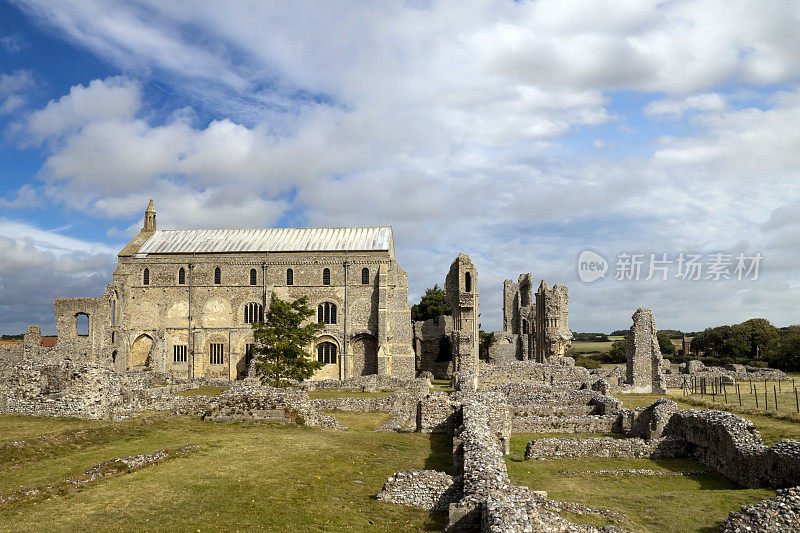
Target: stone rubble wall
259,403
556,424
370,383
402,402
436,413
607,447
778,514
424,489
529,372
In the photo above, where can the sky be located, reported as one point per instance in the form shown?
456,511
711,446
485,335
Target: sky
575,140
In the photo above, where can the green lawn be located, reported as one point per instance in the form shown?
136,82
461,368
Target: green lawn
584,347
696,503
245,477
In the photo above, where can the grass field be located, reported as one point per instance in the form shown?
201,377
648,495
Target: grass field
245,477
659,504
586,347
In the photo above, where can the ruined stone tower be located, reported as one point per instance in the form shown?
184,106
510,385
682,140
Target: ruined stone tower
551,327
518,315
643,371
461,293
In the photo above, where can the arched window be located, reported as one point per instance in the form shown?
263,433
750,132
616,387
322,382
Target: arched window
326,353
217,276
114,356
82,324
326,313
253,312
182,276
365,276
146,276
326,276
289,276
252,276
113,313
467,282
524,326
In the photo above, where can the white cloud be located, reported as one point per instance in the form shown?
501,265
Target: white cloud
675,108
12,90
450,121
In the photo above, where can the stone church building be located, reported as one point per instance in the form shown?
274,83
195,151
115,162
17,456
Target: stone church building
182,301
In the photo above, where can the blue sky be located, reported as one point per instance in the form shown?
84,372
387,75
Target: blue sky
521,133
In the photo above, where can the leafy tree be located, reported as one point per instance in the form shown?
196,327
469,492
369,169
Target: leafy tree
431,305
280,339
486,341
618,333
763,336
665,345
786,355
617,353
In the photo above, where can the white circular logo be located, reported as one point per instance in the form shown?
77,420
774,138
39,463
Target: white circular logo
591,266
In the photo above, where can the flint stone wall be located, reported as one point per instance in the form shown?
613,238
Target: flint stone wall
778,514
370,383
258,403
425,489
607,447
529,372
396,403
556,424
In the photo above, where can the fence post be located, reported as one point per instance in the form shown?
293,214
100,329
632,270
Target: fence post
739,393
751,385
766,398
756,397
775,393
796,401
725,392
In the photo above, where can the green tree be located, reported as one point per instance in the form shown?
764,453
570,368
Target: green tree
486,341
786,355
665,344
280,339
618,352
763,336
431,305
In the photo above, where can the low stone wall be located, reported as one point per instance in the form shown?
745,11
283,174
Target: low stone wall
529,372
425,489
256,403
778,514
607,447
396,403
436,413
60,389
370,383
556,424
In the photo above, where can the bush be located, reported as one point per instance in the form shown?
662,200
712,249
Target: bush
586,362
617,354
758,364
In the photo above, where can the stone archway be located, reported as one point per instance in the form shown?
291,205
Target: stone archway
140,355
364,355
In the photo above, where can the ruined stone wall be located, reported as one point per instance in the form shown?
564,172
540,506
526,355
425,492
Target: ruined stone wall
461,293
552,334
370,384
781,513
433,346
569,424
436,413
530,372
396,403
424,489
644,368
607,447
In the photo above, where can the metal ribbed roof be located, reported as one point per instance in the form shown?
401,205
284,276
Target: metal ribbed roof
189,241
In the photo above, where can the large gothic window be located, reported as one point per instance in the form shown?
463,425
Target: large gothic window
253,312
326,313
326,353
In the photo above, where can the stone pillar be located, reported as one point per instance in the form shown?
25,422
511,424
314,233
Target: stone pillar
384,366
643,371
461,293
31,342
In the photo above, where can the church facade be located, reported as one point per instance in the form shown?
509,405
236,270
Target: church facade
183,302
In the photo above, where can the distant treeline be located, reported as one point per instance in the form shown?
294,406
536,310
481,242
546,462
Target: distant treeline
754,341
11,337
